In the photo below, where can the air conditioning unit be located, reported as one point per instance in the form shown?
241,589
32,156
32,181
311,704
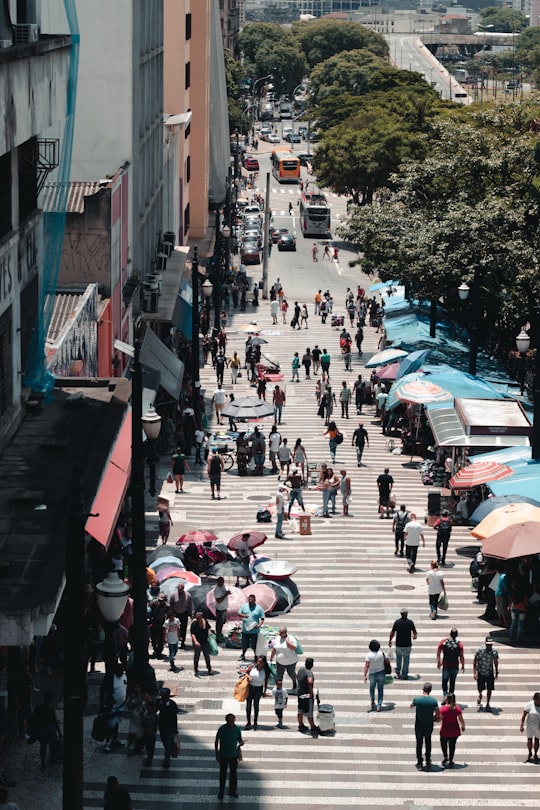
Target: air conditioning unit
24,33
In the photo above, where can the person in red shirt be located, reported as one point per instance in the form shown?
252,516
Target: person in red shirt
452,726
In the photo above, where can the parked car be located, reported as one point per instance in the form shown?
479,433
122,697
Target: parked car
251,253
293,137
266,129
251,164
273,138
286,242
253,235
277,233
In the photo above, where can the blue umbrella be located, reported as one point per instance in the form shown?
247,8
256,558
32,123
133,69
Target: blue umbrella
412,362
487,506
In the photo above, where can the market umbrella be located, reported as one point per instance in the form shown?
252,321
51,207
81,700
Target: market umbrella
198,596
229,568
165,551
169,586
172,571
487,507
291,585
518,540
271,360
389,372
197,536
412,362
419,392
505,516
254,539
265,596
167,560
475,474
248,408
283,595
237,598
258,341
275,569
385,357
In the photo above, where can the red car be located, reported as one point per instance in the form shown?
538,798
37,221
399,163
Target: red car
251,164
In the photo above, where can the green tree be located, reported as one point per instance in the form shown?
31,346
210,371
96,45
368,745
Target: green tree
254,35
286,64
321,39
347,72
504,20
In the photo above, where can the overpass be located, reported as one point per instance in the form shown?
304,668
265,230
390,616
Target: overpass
467,44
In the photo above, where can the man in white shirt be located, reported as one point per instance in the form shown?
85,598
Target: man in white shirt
413,534
284,651
199,440
219,402
274,440
221,595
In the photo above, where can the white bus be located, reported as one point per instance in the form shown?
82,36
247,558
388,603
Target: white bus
314,214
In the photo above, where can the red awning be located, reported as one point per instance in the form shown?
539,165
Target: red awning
112,489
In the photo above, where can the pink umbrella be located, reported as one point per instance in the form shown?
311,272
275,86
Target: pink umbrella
166,573
478,473
388,372
264,595
254,539
197,536
237,597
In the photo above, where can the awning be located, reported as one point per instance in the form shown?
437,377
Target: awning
183,310
156,355
112,489
527,483
170,283
449,431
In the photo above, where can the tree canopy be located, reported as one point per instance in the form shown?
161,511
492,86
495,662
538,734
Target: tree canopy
255,35
321,39
504,20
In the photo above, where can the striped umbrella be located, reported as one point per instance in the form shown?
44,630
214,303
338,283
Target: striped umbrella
386,356
419,392
475,474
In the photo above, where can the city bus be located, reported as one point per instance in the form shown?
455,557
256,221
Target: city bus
285,166
314,214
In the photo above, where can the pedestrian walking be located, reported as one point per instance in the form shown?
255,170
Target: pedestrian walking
179,466
300,457
374,669
345,489
284,310
171,636
149,728
306,697
235,364
359,390
280,701
486,671
359,339
221,364
324,487
443,527
221,598
304,316
401,518
359,440
450,654
227,746
325,365
200,631
243,554
182,607
156,619
385,482
278,399
326,408
113,694
115,797
334,438
45,729
344,399
413,533
315,256
452,727
214,468
252,620
274,441
274,309
436,587
295,481
518,612
326,252
316,356
427,713
219,402
405,631
258,682
284,651
284,457
165,522
531,717
167,724
306,362
295,365
280,510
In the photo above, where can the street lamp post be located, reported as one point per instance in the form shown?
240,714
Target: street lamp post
523,342
463,292
112,595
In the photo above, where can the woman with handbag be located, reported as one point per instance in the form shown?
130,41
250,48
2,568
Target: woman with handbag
258,681
436,587
376,665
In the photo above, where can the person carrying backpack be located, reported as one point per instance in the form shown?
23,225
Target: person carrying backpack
450,654
443,527
401,518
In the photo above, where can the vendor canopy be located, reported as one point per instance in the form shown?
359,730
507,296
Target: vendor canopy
457,383
522,483
480,423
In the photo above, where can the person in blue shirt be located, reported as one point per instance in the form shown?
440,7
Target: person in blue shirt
227,747
252,620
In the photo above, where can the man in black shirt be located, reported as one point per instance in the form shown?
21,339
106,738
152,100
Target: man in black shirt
360,439
404,631
385,483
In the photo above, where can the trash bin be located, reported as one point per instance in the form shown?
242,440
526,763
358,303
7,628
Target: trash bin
305,524
326,718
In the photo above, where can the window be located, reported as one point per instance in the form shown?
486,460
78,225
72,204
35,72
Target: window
188,75
29,306
6,362
188,26
27,178
188,168
186,220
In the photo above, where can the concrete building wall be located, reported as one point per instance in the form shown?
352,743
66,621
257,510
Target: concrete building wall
199,138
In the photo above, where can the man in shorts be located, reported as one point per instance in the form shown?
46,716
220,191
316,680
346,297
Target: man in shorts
252,619
306,700
215,468
486,670
385,482
219,402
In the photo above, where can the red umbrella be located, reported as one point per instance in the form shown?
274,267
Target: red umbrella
264,595
254,539
197,536
166,573
388,372
475,474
